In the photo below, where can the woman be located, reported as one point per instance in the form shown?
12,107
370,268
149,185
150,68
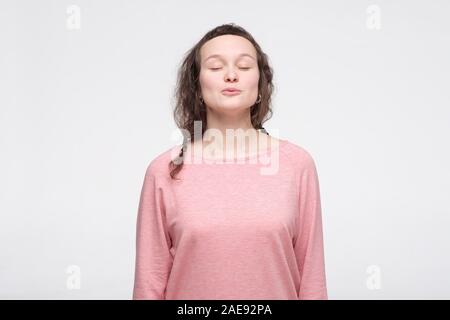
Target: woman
212,226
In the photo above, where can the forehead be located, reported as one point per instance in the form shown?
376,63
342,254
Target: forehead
227,46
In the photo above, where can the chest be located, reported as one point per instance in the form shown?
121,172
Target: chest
233,202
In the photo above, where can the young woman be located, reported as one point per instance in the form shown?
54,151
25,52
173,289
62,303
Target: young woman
214,226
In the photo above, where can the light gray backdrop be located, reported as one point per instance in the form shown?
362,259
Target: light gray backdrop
86,104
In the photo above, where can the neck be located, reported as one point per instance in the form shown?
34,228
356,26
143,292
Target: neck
232,133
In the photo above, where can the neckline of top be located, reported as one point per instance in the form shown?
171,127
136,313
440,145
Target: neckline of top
280,143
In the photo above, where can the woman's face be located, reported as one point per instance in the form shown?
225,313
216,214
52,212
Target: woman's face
229,61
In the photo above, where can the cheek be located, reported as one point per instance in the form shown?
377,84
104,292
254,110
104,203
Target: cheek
251,80
208,81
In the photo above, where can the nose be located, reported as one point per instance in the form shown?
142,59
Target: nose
230,75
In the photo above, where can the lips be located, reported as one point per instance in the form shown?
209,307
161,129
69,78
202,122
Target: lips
230,90
231,93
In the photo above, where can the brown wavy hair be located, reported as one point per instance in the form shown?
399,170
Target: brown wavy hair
189,107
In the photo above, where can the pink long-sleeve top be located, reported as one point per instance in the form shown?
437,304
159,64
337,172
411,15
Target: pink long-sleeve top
246,228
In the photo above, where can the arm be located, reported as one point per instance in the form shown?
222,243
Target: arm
153,258
308,245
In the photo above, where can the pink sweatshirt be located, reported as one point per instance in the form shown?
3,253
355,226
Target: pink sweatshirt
229,231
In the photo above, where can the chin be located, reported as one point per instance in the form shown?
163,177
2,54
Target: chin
234,103
232,106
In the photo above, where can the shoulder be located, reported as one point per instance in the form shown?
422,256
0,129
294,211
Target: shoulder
159,165
299,156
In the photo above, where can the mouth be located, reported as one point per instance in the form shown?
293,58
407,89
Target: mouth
231,92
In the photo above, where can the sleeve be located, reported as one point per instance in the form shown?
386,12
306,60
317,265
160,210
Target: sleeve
308,245
153,258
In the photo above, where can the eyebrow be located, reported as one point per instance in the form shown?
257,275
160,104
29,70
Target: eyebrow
219,56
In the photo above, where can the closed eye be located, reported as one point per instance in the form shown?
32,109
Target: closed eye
221,68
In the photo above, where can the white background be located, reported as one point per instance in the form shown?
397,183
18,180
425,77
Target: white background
84,111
